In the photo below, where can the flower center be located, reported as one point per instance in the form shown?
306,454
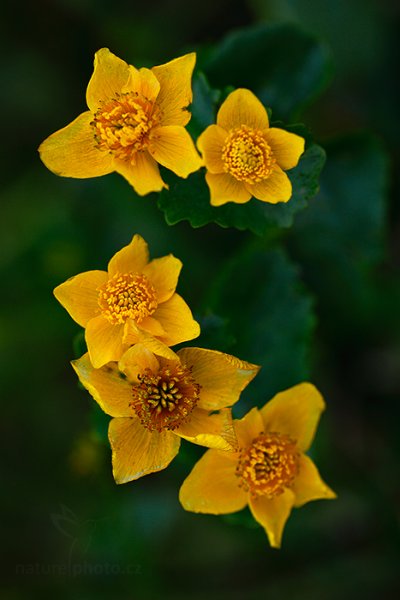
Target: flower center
269,465
165,400
122,125
247,156
127,296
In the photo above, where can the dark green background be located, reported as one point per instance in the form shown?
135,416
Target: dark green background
320,300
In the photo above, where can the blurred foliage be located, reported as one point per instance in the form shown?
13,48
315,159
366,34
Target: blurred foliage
317,300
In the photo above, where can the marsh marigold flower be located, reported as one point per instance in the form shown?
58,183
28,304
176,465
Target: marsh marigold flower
157,401
136,119
269,471
246,157
134,301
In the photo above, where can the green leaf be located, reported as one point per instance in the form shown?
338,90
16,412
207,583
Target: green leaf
270,319
340,238
204,104
284,66
189,199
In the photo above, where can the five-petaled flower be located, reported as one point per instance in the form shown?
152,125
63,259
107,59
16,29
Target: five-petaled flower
136,119
246,157
269,471
157,401
135,301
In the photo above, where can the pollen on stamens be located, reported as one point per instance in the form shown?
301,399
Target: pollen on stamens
122,125
269,465
166,399
247,156
127,296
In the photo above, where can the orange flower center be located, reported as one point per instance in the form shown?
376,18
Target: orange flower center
122,125
165,400
247,156
269,465
127,296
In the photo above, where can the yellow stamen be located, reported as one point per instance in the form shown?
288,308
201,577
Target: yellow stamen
127,296
165,400
247,156
269,465
122,125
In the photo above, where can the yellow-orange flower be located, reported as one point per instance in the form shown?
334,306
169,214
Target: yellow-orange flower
269,470
246,157
157,401
135,301
136,119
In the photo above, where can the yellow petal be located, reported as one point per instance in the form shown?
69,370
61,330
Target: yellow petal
272,514
295,412
72,151
131,258
144,175
136,360
104,341
248,428
176,318
212,486
143,82
109,77
242,107
137,451
176,89
308,484
163,273
286,147
172,147
107,385
134,335
210,144
152,326
276,188
213,431
79,295
222,377
225,188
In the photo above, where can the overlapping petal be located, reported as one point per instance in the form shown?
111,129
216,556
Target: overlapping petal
272,514
275,188
175,89
131,258
225,188
72,151
242,107
110,75
163,273
210,430
222,377
79,295
143,174
137,451
104,341
177,320
212,486
286,147
172,147
210,143
308,484
248,428
107,385
295,412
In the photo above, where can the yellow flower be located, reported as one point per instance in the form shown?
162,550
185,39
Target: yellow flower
246,157
135,301
157,401
269,471
135,120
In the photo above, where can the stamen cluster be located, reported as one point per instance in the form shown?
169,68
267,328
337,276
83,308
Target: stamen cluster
247,156
122,125
127,296
269,465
